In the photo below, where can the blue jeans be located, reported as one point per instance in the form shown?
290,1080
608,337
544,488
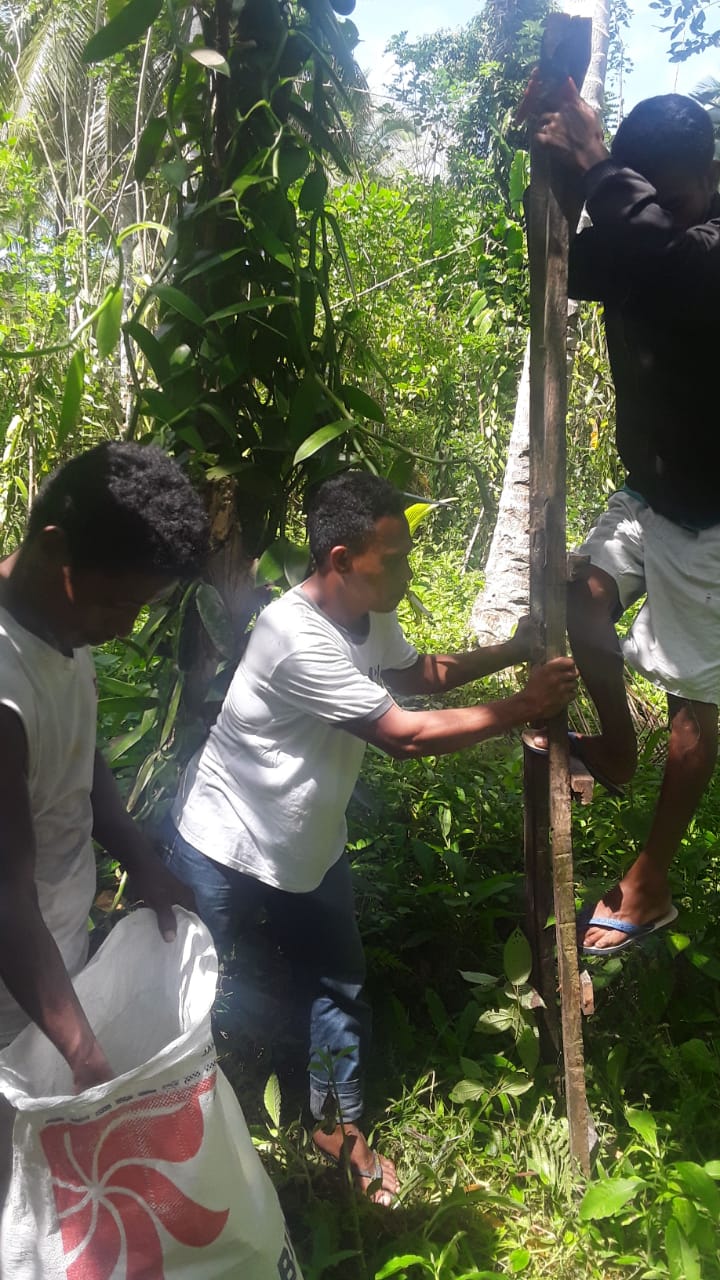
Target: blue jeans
318,934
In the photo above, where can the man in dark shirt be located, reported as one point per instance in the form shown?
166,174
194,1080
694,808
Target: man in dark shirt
652,256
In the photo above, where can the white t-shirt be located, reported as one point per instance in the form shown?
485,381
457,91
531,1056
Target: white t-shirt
55,698
267,793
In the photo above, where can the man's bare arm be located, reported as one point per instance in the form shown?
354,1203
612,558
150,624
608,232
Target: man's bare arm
123,839
411,734
438,673
30,963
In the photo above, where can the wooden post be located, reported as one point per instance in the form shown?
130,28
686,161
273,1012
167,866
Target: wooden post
566,42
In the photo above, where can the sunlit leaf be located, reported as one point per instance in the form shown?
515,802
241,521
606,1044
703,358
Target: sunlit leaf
272,1099
320,438
699,1186
107,325
468,1091
682,1256
605,1198
72,396
643,1122
211,59
517,958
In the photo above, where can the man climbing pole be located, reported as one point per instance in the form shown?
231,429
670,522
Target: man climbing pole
652,256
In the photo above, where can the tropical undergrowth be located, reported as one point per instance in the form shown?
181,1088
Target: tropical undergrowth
459,1093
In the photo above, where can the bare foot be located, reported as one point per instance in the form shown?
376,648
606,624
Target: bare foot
366,1165
643,895
616,763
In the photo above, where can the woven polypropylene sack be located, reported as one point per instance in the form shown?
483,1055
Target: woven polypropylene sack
152,1176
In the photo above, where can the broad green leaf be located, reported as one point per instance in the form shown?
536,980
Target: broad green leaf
251,304
493,1020
528,1047
272,244
272,1099
682,1256
72,396
247,180
296,562
712,1168
207,263
519,1259
291,161
417,512
398,1264
179,301
320,438
643,1122
696,1055
149,143
479,979
270,567
171,714
215,619
313,192
211,59
125,28
107,325
122,745
151,349
468,1091
699,1186
514,1085
517,958
607,1197
519,179
142,778
359,401
160,405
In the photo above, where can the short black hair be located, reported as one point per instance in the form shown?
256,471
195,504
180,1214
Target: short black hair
669,133
125,508
345,509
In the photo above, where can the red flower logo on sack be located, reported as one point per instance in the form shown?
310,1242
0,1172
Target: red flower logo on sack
110,1194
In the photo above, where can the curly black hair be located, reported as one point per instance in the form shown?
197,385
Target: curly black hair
125,508
668,133
344,510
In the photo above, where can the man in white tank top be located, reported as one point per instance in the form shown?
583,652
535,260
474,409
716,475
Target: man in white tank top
107,532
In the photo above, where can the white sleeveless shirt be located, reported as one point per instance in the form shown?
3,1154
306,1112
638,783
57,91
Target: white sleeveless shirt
54,697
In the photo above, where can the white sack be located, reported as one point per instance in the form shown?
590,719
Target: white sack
152,1176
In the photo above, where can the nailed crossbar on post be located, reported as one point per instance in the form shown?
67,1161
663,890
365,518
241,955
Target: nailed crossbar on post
548,829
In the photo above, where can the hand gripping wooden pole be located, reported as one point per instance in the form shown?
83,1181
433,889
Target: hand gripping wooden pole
548,830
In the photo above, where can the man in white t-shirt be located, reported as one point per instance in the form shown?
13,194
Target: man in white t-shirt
107,532
260,817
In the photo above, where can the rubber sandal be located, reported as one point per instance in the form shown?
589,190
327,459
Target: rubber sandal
375,1174
635,932
612,788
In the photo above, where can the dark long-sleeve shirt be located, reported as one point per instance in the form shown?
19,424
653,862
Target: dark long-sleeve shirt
661,291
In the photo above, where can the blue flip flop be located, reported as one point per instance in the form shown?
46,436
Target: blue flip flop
635,932
574,739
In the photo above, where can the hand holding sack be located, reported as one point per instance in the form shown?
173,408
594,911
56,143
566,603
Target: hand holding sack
152,1176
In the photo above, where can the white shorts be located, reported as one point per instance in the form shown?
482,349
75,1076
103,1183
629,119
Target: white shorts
675,639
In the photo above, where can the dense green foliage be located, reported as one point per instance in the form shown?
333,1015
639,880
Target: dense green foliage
209,239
